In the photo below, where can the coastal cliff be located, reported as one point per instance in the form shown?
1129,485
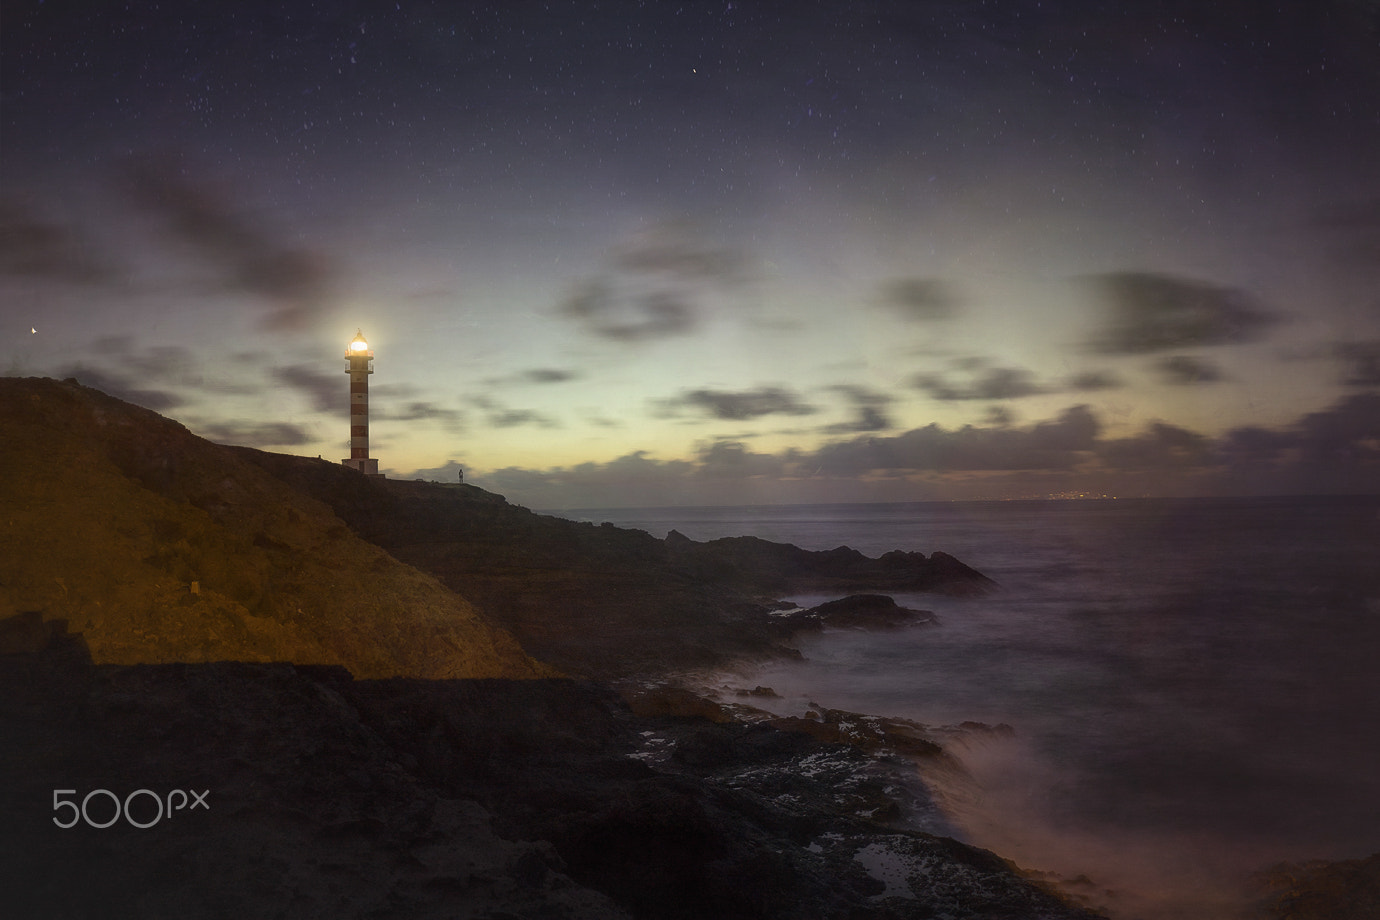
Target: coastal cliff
333,662
158,546
599,600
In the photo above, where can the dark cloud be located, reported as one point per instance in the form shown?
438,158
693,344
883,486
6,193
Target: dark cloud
1253,445
1160,447
327,392
862,396
1362,363
677,250
868,413
171,365
297,283
745,404
1187,370
633,478
733,460
395,390
1336,449
256,434
617,312
999,416
1350,429
985,383
867,418
513,418
1053,445
548,375
633,467
419,411
1091,381
31,247
921,299
121,387
1148,313
656,286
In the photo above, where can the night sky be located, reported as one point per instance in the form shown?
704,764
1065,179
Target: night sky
728,252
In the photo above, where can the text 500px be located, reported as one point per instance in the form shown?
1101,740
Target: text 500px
141,808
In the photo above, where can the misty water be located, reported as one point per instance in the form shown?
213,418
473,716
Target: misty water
1194,684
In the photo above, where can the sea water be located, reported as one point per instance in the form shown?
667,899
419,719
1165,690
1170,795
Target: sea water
1194,684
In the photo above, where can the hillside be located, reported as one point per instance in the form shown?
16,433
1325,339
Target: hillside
159,546
599,600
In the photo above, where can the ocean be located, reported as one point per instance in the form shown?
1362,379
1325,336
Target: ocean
1194,684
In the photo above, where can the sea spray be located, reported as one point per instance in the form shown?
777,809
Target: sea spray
1191,682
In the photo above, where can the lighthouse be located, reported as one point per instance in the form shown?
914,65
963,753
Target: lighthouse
360,358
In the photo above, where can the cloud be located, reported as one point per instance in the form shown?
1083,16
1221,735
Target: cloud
121,387
738,406
1351,428
1060,444
862,396
655,286
868,414
1186,370
921,299
256,434
1333,450
1162,446
627,315
1362,360
985,383
1253,445
297,283
514,418
1091,381
868,418
327,392
548,375
676,250
31,247
733,460
999,416
1148,313
419,411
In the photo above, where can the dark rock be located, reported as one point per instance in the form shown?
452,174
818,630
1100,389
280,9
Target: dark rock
866,610
331,797
1320,890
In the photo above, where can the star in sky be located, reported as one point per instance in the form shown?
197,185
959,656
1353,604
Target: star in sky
662,254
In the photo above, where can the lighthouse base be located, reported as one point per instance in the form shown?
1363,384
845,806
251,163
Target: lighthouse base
369,467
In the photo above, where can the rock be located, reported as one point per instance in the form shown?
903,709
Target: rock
1320,890
334,797
677,540
870,611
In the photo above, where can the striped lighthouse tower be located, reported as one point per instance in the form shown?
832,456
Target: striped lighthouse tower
360,358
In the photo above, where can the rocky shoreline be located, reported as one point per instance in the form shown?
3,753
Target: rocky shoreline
408,699
331,797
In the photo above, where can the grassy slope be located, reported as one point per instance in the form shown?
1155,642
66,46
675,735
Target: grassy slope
109,513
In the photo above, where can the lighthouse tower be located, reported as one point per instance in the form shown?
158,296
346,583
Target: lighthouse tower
360,358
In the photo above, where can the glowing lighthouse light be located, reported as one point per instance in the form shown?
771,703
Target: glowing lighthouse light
360,358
